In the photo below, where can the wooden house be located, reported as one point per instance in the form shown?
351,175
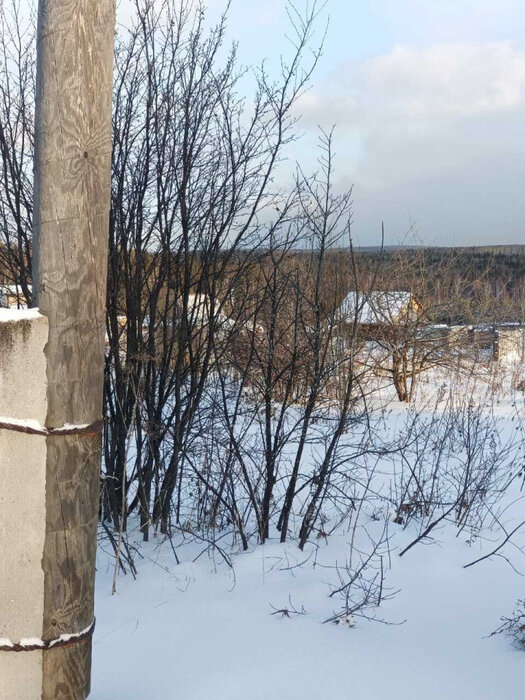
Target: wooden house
378,310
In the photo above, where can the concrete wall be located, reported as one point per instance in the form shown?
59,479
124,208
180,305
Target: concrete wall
23,335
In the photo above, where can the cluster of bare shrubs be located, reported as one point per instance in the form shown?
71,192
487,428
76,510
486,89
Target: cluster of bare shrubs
456,467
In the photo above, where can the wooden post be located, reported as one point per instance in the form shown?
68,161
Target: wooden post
72,198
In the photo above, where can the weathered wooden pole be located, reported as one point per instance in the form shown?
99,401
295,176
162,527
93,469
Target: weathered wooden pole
71,218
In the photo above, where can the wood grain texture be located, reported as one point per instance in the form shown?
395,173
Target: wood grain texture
72,196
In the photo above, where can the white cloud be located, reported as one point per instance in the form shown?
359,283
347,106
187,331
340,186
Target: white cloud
422,84
435,131
461,79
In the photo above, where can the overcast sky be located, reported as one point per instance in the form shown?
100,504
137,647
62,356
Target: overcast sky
428,99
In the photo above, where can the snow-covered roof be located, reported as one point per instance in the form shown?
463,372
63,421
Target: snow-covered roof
375,307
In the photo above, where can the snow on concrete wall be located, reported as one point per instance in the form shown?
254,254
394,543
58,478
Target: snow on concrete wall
23,335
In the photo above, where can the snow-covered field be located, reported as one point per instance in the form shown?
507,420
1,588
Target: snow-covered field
203,629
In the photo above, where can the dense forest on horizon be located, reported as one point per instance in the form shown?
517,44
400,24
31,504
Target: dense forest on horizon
490,281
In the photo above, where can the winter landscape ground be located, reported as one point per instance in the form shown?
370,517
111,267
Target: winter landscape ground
212,625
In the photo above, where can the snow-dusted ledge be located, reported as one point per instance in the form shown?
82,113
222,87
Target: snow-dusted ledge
11,315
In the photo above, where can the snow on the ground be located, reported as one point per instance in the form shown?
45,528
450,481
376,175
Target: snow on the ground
200,629
188,632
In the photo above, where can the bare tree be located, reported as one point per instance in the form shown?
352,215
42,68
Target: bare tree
17,95
192,176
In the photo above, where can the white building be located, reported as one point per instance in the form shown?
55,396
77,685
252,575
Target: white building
378,307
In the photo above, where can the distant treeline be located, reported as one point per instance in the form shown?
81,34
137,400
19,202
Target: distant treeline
463,285
509,249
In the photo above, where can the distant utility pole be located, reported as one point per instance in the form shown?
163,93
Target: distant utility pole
71,218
